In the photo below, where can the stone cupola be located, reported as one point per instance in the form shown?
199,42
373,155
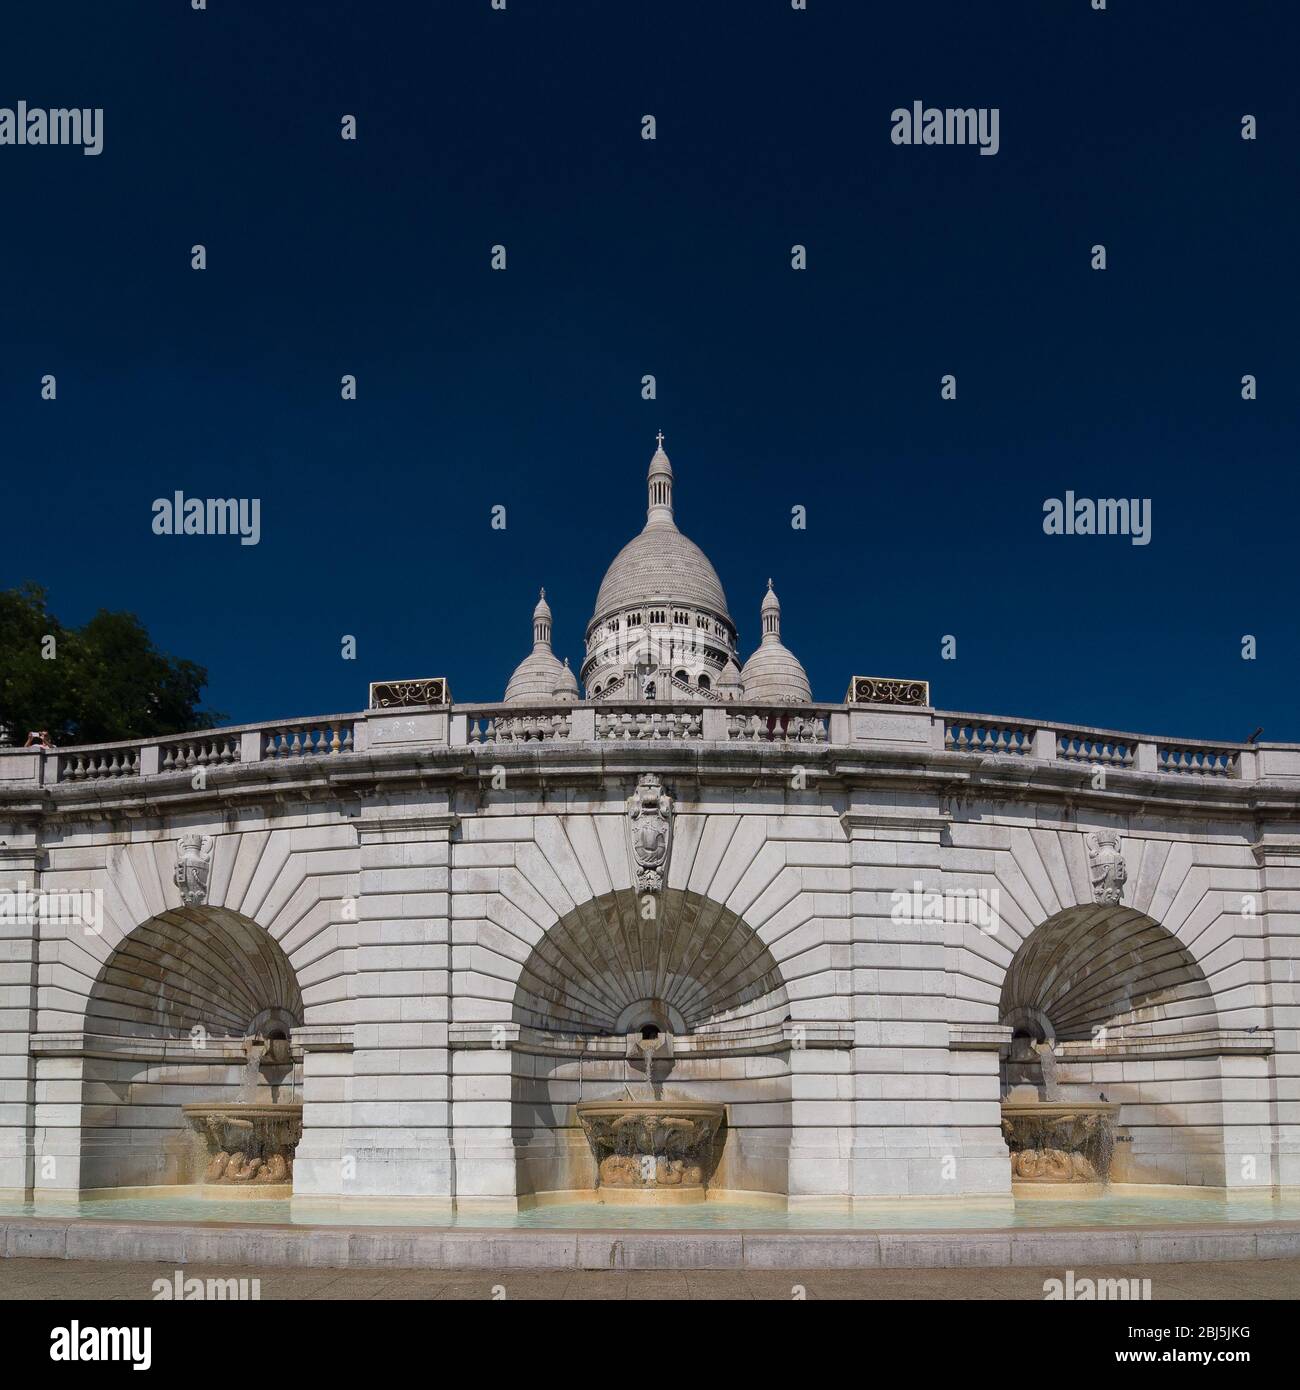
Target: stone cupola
539,674
774,675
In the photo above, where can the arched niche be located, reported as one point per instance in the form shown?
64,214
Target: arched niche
165,1026
193,967
1099,967
1107,1004
645,965
678,953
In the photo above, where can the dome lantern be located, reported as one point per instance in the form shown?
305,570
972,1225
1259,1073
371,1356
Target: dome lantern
659,488
542,624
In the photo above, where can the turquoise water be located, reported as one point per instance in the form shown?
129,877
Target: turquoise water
1109,1212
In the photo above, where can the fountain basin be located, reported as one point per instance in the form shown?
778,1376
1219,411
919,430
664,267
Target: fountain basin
652,1151
249,1147
1060,1143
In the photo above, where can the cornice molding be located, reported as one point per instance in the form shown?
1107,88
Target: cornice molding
937,820
32,858
437,824
1266,850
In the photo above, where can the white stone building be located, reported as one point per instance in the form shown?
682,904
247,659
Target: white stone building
849,922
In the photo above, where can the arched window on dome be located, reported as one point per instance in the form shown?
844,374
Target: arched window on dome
681,617
704,683
682,676
595,689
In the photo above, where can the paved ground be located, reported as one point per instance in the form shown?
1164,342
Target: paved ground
86,1279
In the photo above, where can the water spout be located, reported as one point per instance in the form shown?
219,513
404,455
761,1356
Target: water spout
254,1050
649,1046
1047,1060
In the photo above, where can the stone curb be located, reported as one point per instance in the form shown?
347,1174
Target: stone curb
354,1247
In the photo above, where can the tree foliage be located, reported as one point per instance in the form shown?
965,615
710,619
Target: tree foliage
96,683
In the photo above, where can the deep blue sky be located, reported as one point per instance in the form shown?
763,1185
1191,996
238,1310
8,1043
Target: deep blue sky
629,257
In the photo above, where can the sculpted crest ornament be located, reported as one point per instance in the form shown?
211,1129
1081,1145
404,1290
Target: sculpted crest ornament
193,861
1109,872
650,829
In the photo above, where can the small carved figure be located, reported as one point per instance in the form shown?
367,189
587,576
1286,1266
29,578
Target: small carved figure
241,1168
619,1170
193,863
274,1169
1109,872
650,811
1082,1169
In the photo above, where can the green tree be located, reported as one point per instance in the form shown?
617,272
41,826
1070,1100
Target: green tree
93,684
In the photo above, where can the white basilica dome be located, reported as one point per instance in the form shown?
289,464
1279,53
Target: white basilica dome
661,629
660,565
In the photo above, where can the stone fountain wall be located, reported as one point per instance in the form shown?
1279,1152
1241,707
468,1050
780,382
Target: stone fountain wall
555,1156
456,887
134,1131
1171,1126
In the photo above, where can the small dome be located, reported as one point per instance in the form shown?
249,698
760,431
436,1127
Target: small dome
567,687
538,674
729,684
535,678
774,675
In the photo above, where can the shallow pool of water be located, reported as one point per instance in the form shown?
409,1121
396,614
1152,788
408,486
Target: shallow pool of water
1110,1211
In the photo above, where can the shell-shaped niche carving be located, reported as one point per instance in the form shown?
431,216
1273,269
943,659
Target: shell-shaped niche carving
687,957
195,967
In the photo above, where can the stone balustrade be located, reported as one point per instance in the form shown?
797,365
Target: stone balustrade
309,738
383,730
535,726
662,722
975,734
1216,760
1097,750
1106,748
98,764
802,724
199,750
